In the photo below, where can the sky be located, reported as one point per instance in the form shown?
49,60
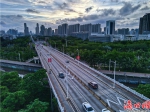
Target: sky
51,13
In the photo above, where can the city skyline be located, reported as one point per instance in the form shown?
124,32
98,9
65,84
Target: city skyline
52,13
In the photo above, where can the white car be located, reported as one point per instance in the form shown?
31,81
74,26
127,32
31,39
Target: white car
105,110
87,107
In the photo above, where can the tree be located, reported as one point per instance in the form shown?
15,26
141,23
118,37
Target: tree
36,106
11,80
4,92
34,83
144,89
15,101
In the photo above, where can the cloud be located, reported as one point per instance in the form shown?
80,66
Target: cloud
78,19
15,1
145,8
61,21
61,6
107,12
42,2
128,9
32,11
114,0
2,23
19,16
11,17
71,10
66,13
88,9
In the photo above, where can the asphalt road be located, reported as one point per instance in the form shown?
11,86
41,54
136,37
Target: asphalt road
79,91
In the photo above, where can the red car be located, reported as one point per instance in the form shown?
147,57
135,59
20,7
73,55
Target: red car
94,85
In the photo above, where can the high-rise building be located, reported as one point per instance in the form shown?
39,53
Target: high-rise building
65,29
144,25
26,29
45,32
86,28
132,32
53,32
49,31
104,30
12,32
42,30
37,29
73,28
96,28
56,31
123,31
60,30
110,27
2,32
141,26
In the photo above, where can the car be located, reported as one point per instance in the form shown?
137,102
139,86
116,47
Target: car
67,61
105,110
61,75
94,85
87,107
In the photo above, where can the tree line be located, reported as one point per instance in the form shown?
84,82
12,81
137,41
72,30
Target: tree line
133,56
19,49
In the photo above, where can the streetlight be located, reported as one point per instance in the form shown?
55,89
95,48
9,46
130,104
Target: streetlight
78,56
54,43
66,42
114,70
67,76
63,50
19,57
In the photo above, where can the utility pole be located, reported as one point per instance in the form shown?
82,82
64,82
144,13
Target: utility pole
114,71
63,50
78,56
66,42
19,57
109,63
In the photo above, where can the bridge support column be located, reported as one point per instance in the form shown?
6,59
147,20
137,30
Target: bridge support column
34,61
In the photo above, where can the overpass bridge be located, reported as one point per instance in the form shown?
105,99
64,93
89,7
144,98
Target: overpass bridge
20,65
73,90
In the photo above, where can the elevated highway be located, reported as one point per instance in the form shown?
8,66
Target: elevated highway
77,75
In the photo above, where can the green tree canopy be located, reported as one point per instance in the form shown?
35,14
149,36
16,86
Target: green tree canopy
11,80
15,101
144,89
36,106
34,83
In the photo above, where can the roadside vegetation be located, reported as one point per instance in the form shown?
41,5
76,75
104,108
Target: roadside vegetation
130,56
20,49
28,94
144,89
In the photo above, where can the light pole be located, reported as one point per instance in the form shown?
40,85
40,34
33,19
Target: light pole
114,74
114,71
54,43
78,56
63,50
19,57
67,77
66,42
109,63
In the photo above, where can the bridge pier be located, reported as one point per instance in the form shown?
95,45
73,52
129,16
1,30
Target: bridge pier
36,60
